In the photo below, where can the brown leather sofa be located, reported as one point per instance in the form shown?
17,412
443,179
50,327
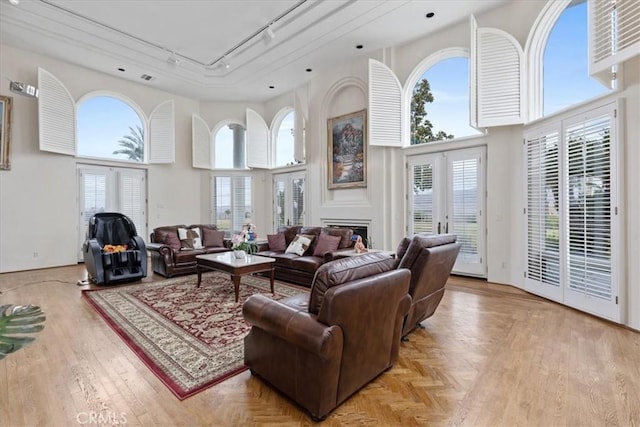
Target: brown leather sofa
169,258
430,258
321,348
300,269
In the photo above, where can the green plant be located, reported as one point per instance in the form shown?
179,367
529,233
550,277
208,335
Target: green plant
248,247
18,319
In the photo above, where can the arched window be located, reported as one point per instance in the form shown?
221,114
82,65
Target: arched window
284,143
566,80
229,147
440,98
111,128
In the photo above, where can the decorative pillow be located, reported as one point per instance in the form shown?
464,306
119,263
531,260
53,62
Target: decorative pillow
212,238
190,238
300,244
277,242
172,240
326,243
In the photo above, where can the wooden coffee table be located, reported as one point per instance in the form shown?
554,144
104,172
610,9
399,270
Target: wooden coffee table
228,263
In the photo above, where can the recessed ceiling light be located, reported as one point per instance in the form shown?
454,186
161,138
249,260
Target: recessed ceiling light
121,69
359,46
430,15
272,87
309,70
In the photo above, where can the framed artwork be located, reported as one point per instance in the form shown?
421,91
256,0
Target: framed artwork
347,150
5,131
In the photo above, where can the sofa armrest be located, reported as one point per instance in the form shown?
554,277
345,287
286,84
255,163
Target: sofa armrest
292,325
165,251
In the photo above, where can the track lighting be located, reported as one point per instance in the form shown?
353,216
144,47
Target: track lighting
23,89
173,60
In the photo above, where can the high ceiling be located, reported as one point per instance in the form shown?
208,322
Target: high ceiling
184,44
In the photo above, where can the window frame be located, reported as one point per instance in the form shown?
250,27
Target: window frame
276,123
214,132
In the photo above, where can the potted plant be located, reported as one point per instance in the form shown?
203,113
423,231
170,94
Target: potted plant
16,320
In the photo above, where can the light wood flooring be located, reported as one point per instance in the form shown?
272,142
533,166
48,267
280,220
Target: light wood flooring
492,355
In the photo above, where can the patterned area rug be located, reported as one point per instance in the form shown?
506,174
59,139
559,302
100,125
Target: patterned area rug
191,338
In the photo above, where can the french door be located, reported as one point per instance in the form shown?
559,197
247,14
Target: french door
573,239
446,195
106,189
289,199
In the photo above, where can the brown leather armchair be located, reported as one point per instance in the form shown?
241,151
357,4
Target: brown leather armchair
430,258
322,348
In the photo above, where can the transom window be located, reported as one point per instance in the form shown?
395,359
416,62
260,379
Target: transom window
440,103
566,79
284,142
110,128
229,147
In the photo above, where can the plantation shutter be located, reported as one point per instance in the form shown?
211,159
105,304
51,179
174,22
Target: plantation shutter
56,115
385,106
162,133
422,200
498,82
201,143
301,117
279,186
614,34
588,206
132,198
543,212
298,204
258,153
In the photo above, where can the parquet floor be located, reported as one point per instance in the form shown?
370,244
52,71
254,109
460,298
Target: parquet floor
492,355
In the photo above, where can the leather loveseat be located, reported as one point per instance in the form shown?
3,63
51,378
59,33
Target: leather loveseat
319,349
300,269
172,256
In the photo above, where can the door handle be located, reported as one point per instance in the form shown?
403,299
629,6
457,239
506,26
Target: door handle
446,228
439,227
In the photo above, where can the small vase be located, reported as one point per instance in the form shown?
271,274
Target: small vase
239,254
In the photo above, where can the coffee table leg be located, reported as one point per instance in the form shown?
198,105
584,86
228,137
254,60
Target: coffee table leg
236,285
199,270
272,278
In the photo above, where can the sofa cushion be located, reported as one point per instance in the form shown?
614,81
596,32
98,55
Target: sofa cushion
311,231
290,232
172,240
326,243
402,247
212,238
277,242
300,244
189,256
345,270
344,233
420,242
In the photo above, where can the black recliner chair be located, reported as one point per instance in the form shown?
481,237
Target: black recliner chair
110,228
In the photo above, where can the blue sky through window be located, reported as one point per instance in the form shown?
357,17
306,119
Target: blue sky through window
102,121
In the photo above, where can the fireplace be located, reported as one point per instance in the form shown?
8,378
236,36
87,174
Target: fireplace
359,227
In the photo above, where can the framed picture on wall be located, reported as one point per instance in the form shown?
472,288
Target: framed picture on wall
5,131
347,159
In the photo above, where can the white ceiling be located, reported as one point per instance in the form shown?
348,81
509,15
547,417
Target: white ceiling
139,36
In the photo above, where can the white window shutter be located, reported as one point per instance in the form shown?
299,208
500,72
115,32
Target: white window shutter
385,106
499,78
132,198
614,35
162,133
301,117
473,73
257,141
201,143
56,115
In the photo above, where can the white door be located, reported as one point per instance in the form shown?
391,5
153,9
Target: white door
104,189
289,199
447,196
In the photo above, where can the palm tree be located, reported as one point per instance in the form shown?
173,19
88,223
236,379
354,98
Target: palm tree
133,145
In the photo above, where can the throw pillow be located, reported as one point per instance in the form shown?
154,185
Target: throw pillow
326,243
190,238
300,244
172,240
212,238
277,242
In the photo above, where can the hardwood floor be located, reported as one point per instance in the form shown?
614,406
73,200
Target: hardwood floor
492,355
